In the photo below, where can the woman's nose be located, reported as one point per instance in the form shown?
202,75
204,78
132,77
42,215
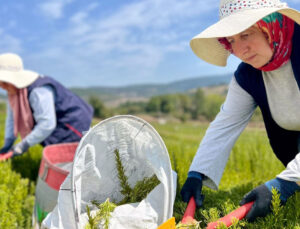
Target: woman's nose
240,48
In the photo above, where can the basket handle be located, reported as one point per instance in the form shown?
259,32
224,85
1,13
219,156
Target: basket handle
45,172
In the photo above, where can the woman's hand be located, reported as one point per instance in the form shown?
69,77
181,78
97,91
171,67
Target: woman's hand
262,205
262,196
20,148
8,143
193,187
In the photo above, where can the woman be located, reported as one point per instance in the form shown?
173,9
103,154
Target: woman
39,108
265,36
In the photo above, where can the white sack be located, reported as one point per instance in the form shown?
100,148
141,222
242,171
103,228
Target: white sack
94,176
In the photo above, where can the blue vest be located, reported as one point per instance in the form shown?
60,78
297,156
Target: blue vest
73,115
283,142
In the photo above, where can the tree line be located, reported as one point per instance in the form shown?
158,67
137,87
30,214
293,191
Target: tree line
188,106
182,106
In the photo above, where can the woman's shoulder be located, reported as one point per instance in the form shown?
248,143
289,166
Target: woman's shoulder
245,71
247,76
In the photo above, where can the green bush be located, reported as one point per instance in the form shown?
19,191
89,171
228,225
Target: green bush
100,110
131,108
17,199
17,186
212,106
194,105
28,164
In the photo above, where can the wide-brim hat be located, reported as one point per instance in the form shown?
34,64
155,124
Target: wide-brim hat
12,71
235,17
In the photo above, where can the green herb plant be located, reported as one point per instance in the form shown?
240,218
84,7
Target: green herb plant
131,195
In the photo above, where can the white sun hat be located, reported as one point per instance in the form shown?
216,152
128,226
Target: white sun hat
235,17
12,71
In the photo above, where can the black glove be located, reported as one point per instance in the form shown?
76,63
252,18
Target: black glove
262,196
193,187
20,148
262,205
8,143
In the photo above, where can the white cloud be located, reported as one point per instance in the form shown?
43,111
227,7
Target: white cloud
79,17
137,37
157,13
9,43
53,8
145,22
79,25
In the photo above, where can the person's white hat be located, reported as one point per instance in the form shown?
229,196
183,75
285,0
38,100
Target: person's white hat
235,17
12,71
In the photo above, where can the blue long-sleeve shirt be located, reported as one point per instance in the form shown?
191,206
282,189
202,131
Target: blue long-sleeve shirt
41,100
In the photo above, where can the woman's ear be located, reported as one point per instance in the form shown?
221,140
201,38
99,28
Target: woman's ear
266,34
264,31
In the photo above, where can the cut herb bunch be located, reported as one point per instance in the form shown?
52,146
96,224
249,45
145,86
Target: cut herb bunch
131,195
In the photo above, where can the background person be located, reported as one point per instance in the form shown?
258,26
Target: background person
39,108
265,35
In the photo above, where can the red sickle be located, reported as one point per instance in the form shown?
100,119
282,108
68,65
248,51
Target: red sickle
6,156
189,213
239,213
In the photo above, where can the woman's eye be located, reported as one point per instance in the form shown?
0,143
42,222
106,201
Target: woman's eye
244,36
230,41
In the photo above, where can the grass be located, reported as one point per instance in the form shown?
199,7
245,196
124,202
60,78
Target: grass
250,164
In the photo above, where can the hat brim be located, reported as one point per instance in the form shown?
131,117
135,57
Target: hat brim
206,46
19,79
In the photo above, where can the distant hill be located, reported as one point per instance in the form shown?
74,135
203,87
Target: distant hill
144,91
113,96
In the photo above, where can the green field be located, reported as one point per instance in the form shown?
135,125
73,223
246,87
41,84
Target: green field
250,164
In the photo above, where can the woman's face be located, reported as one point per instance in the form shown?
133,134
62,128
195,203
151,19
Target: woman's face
11,89
252,47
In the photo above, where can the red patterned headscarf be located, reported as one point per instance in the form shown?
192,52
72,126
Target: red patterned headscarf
279,29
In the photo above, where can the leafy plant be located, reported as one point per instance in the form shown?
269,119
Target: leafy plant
141,188
16,202
102,215
193,225
131,195
126,189
276,205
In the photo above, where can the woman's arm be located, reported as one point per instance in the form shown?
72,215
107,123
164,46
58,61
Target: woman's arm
9,138
9,123
41,100
292,171
215,147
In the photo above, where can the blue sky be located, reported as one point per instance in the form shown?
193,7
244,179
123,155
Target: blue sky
110,42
